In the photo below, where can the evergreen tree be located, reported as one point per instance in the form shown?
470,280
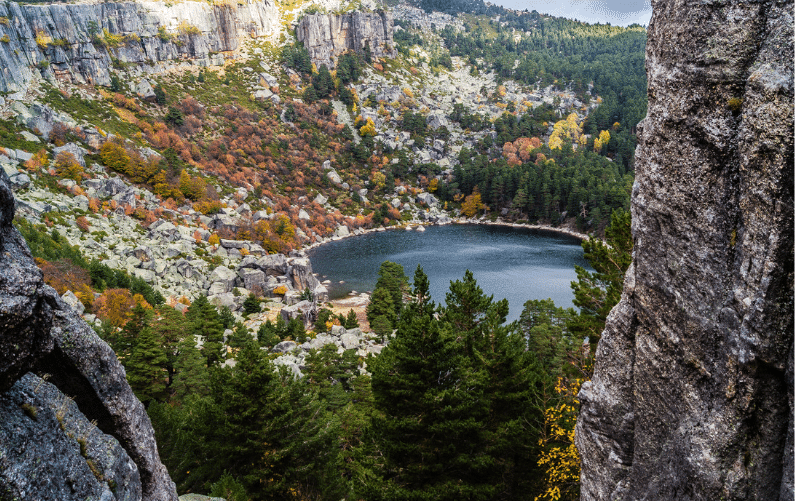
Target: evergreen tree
240,336
332,374
206,323
192,377
322,81
348,68
324,315
226,317
597,292
455,417
144,368
125,342
381,305
170,327
421,431
268,430
267,335
393,279
351,320
160,96
251,305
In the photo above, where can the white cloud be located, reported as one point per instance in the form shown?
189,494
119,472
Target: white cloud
617,12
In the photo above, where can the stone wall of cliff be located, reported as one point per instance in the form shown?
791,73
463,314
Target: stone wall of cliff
693,391
62,41
327,36
41,334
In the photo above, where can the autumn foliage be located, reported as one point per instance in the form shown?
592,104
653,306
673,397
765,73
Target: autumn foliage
115,305
472,205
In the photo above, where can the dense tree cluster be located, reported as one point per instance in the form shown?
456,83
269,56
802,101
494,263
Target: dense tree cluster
460,404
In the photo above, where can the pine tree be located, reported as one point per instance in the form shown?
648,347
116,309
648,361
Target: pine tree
393,279
268,430
170,328
322,81
381,305
351,320
240,336
251,305
597,292
144,369
455,418
206,323
192,377
267,335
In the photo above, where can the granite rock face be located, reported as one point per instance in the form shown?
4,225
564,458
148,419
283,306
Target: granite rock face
40,333
66,41
327,36
57,453
693,390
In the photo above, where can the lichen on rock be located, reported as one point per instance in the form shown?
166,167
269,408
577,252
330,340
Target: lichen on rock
41,334
693,395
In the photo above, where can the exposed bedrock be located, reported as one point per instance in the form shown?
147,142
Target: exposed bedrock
39,333
693,394
327,36
68,42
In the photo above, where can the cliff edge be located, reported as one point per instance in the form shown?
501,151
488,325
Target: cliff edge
327,36
41,334
693,391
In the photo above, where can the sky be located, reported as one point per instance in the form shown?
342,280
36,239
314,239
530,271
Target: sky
616,12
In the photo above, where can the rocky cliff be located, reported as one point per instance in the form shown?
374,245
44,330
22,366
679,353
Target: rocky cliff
80,43
39,333
692,395
326,36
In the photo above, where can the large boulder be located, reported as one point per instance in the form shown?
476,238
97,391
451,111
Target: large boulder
300,273
225,276
252,278
75,150
303,310
43,335
273,264
39,441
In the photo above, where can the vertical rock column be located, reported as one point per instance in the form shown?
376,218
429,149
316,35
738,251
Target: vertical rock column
692,396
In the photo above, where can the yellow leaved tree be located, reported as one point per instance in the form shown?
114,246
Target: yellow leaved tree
369,129
472,204
603,139
565,130
558,453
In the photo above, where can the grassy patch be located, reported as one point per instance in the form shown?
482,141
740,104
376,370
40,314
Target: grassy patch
95,112
10,137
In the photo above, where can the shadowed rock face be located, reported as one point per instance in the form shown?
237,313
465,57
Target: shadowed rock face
39,333
327,36
692,395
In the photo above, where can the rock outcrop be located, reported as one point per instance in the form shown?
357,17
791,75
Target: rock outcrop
693,389
40,333
51,451
327,36
80,43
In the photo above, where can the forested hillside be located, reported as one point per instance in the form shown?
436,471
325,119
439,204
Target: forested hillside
169,193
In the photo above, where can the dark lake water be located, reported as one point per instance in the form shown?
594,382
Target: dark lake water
513,263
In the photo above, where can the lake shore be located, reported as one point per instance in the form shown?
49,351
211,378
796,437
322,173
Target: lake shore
563,230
